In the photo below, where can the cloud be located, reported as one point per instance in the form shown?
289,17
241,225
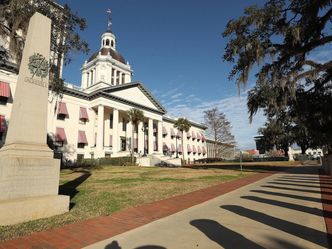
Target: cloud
235,109
175,96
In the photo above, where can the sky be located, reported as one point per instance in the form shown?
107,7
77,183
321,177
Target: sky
175,48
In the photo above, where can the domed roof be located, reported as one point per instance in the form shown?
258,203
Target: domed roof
105,51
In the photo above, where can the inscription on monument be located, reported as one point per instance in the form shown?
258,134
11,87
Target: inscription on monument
39,67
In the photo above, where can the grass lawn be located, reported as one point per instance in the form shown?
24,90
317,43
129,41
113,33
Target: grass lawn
97,192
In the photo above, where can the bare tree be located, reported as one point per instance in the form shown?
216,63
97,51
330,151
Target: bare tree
219,130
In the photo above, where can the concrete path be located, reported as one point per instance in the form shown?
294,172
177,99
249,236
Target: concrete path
281,211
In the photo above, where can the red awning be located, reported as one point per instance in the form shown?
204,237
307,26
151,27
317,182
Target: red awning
165,147
172,132
62,109
193,135
179,134
198,136
3,124
199,150
82,137
4,90
83,113
111,140
164,131
60,135
204,150
194,149
189,148
188,134
172,148
203,137
180,148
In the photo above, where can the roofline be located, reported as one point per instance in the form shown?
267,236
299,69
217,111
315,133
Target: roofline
173,120
220,143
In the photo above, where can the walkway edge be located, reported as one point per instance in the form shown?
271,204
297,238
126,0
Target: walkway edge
84,233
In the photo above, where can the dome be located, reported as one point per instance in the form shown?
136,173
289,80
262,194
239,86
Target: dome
105,51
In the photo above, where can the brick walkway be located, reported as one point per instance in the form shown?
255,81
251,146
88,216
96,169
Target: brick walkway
326,192
81,234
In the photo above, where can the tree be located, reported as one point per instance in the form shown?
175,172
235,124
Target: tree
280,39
134,116
64,36
182,124
219,128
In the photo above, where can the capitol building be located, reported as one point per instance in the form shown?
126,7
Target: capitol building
90,121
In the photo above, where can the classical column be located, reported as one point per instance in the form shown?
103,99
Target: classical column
150,136
185,143
129,133
160,137
115,148
100,132
140,138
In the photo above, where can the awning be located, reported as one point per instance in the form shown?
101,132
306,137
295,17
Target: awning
189,148
165,147
111,140
60,135
4,90
82,138
179,134
172,148
204,150
62,109
199,150
193,135
83,114
172,132
188,134
194,149
180,148
164,131
198,136
203,137
3,124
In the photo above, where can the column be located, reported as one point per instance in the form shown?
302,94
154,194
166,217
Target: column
185,147
83,83
140,137
160,137
115,136
100,132
150,136
129,132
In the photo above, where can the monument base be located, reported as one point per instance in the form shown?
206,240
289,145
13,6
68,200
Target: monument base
27,209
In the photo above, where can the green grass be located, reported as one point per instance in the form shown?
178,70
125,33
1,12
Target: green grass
97,192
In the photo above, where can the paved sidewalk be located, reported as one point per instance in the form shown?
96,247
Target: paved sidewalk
280,211
85,233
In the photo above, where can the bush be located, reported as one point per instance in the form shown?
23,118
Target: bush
117,161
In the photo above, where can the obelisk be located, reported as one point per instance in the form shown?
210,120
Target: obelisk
29,176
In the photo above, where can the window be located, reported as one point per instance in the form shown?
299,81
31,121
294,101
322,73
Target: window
111,121
81,145
123,78
123,144
113,77
124,125
112,44
3,100
117,77
107,42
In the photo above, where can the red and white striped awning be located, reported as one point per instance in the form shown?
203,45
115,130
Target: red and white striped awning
179,134
204,150
165,147
83,114
172,132
4,90
82,137
198,136
199,150
194,149
60,135
62,109
3,124
193,135
172,148
203,137
189,148
188,134
164,131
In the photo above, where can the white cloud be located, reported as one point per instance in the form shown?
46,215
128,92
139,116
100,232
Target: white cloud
235,109
175,96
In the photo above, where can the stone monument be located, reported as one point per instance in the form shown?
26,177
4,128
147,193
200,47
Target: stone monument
29,176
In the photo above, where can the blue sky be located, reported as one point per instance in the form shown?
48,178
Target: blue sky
175,48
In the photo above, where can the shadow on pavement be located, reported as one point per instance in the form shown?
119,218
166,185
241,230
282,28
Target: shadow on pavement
288,183
301,208
306,233
299,197
296,189
115,245
223,236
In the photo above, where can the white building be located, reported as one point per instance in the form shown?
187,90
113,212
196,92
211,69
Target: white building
89,121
